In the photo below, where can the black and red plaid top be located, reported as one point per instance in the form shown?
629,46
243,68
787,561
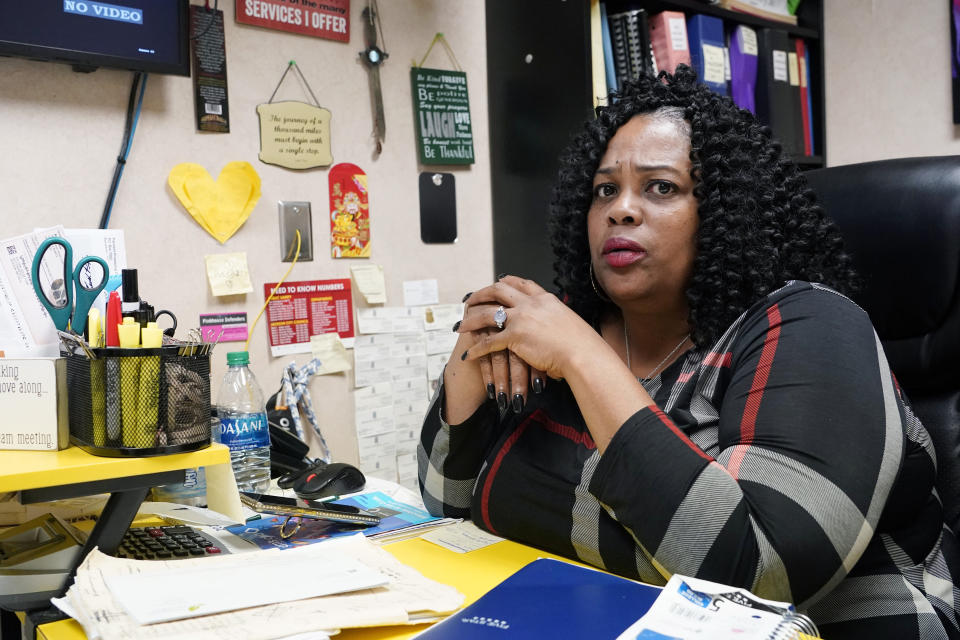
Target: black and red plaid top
783,459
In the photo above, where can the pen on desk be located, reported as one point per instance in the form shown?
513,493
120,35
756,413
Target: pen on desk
113,320
129,334
148,399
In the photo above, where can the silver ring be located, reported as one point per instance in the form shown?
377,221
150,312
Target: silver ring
500,316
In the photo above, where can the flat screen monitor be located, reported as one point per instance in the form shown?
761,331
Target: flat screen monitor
140,35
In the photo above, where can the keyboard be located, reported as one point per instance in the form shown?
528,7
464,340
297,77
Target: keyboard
167,543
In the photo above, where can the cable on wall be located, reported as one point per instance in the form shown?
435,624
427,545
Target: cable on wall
134,105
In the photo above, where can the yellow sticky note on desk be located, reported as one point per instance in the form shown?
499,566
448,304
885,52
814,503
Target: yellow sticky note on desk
228,274
331,353
370,282
222,206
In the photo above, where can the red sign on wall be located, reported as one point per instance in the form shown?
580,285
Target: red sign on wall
328,19
299,310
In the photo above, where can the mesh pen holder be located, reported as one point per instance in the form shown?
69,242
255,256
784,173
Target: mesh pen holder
139,402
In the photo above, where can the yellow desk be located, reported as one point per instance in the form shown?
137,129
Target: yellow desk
473,574
41,476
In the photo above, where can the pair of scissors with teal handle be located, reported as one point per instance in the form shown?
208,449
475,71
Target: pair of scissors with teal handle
69,310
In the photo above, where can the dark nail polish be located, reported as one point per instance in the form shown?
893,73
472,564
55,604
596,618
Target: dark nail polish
463,356
466,296
501,276
491,391
456,326
502,401
537,385
517,403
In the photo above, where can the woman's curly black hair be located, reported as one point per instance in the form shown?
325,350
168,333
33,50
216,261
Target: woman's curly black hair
759,227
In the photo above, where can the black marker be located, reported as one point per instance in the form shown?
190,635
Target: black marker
130,298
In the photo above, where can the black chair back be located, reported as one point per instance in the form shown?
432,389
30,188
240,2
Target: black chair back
900,220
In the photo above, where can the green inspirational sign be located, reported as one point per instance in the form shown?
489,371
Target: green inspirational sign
441,108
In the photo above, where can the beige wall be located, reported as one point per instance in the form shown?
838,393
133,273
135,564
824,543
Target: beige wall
60,134
888,80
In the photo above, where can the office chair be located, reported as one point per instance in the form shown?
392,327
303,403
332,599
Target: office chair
900,220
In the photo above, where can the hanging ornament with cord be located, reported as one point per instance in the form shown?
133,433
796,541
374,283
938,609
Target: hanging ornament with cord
373,56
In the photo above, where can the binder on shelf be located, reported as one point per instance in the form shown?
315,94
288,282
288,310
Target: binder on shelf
808,75
550,599
668,38
776,98
630,42
796,106
705,38
804,96
775,10
609,65
618,45
638,42
743,67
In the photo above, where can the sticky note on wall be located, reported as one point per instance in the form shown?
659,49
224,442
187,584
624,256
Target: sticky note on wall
228,274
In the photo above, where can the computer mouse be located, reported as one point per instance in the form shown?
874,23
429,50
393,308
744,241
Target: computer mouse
334,479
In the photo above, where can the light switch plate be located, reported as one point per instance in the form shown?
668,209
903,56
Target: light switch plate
295,216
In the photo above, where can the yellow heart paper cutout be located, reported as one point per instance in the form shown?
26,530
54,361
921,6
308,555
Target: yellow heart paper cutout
219,207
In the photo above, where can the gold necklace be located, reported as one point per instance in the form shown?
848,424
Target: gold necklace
626,344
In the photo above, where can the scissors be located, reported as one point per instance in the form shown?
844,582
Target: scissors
69,309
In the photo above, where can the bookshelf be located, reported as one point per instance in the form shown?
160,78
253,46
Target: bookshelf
540,91
809,27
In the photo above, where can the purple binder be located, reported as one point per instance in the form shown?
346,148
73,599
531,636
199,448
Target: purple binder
743,67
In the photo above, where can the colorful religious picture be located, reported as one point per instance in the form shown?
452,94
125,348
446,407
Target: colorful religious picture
349,212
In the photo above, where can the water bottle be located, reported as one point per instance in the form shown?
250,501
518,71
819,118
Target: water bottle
243,424
192,491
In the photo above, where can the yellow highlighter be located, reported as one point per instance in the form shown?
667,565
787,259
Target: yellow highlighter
94,329
151,337
129,335
98,394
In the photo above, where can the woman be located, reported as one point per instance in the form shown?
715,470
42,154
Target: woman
716,407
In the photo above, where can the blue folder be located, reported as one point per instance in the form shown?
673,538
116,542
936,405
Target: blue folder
609,66
550,599
707,31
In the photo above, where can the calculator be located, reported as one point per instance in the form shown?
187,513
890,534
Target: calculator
168,543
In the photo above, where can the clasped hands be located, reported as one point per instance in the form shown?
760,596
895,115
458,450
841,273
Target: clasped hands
536,341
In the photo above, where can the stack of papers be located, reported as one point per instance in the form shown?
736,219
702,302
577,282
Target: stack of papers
348,582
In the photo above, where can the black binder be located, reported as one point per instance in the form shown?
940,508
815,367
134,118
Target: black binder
618,42
630,37
778,103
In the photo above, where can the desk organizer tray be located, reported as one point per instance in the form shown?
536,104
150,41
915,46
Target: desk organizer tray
139,402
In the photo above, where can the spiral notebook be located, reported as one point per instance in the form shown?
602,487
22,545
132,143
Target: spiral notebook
692,608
